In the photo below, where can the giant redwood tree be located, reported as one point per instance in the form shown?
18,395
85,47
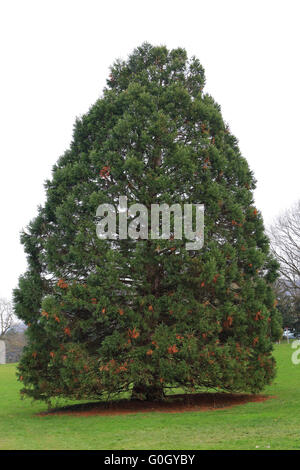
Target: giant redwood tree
106,316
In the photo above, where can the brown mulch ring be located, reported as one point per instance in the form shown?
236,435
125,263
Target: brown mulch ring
172,404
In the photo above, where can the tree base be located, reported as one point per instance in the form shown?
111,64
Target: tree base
147,392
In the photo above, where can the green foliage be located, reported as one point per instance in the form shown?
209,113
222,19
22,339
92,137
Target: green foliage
108,316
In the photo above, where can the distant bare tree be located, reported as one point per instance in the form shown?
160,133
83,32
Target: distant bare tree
15,340
7,317
285,243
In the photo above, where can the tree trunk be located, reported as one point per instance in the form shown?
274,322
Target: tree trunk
147,392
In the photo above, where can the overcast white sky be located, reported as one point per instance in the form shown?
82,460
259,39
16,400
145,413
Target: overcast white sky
55,57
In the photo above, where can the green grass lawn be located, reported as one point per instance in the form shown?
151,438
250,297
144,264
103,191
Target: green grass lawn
273,424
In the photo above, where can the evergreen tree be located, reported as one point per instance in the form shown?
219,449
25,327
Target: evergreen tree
106,316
